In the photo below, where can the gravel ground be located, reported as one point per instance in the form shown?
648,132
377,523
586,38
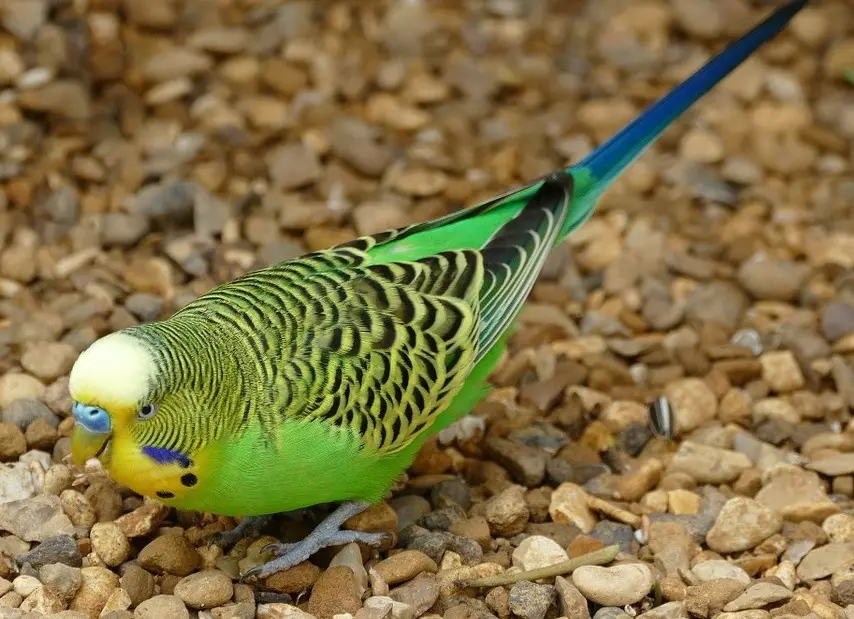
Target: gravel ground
150,149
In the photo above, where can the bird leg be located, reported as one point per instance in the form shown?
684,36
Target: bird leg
327,533
247,527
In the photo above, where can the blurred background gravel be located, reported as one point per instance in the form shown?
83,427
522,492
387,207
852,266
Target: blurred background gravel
150,149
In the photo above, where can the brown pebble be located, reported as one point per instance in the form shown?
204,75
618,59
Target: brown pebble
336,591
295,580
404,566
171,554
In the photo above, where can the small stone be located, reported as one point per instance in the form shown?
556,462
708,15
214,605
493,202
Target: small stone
693,403
35,519
162,607
351,556
404,566
282,611
12,442
292,166
17,482
537,551
109,543
336,591
614,586
839,528
77,508
377,518
64,580
66,98
569,506
708,465
835,465
420,593
718,568
23,412
573,605
683,502
143,519
773,280
60,549
44,601
758,595
709,597
295,580
781,371
118,602
837,320
169,554
531,601
48,360
98,583
821,562
138,583
205,589
527,465
701,18
19,386
385,606
24,585
742,524
797,495
717,302
507,512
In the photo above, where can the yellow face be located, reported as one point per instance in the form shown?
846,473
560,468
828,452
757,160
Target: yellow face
110,385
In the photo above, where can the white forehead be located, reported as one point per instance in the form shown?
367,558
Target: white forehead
116,368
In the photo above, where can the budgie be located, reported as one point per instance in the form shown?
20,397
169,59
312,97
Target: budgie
318,380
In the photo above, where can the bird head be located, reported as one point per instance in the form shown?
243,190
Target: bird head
111,385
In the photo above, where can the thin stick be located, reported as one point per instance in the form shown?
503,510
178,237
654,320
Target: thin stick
597,557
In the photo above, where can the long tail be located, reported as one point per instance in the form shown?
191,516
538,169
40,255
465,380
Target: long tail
598,170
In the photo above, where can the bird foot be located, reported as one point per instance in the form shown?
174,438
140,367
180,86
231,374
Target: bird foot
327,533
248,527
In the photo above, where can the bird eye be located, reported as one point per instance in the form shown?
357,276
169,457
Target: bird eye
147,411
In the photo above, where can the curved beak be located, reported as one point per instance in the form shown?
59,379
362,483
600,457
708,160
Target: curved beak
92,431
86,444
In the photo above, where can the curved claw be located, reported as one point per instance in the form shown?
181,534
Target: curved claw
277,549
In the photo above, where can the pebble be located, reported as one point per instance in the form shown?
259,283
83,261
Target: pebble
507,512
568,505
693,403
404,566
742,524
351,556
796,495
12,442
48,360
97,584
162,607
781,371
769,279
531,601
573,605
295,580
834,465
23,412
758,595
718,568
19,386
169,554
708,598
118,602
109,543
44,601
205,589
526,464
614,586
59,549
24,585
62,579
826,560
837,320
839,528
336,591
420,593
537,551
707,464
385,607
35,519
17,482
668,610
138,583
292,166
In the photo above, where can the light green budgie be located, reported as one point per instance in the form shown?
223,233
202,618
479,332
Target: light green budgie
318,380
